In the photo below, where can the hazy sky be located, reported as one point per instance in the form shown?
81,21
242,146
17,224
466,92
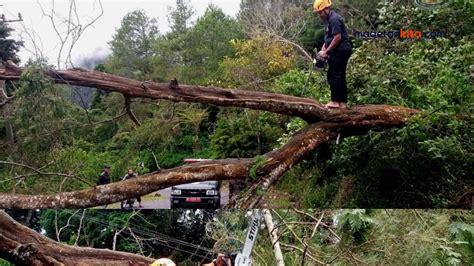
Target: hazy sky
94,40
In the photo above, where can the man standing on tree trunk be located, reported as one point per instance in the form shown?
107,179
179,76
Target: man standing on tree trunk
336,50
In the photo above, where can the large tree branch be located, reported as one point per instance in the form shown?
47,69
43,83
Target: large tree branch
37,171
23,246
4,99
301,145
129,111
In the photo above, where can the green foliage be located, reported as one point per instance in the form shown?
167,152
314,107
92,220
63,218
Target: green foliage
132,46
99,228
192,118
259,161
179,17
8,47
33,82
257,59
42,114
207,43
244,134
308,187
312,37
455,19
356,224
462,239
430,160
414,237
439,73
300,83
5,263
192,55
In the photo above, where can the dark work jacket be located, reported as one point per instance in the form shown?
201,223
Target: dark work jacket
104,179
334,25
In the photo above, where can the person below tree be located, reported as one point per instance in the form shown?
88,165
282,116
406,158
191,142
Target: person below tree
104,179
130,174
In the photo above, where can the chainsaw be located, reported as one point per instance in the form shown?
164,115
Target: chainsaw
319,63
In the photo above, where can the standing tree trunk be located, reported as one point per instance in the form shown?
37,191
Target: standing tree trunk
7,112
273,232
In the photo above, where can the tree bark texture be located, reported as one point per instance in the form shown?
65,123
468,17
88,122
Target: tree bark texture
23,246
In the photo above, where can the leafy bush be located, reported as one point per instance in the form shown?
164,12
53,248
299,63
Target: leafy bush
355,223
447,19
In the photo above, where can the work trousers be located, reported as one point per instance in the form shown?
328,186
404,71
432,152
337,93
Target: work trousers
337,62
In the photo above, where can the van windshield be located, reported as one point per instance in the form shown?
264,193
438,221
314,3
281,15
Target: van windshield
198,185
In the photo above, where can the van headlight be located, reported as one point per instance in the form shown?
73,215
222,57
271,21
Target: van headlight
211,192
176,192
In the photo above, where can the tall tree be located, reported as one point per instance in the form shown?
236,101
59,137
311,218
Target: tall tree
282,20
179,17
170,48
276,17
207,44
132,45
193,54
8,47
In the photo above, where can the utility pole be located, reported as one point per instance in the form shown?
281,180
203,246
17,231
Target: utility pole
4,20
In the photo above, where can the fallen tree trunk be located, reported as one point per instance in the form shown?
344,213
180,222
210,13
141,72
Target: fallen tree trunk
275,164
308,109
23,246
354,121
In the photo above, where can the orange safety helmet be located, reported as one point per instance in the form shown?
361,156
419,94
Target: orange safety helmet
320,5
163,262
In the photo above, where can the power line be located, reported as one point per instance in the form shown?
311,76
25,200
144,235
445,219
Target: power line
148,233
156,235
163,236
144,233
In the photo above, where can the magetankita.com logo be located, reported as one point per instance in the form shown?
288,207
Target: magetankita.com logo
400,34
